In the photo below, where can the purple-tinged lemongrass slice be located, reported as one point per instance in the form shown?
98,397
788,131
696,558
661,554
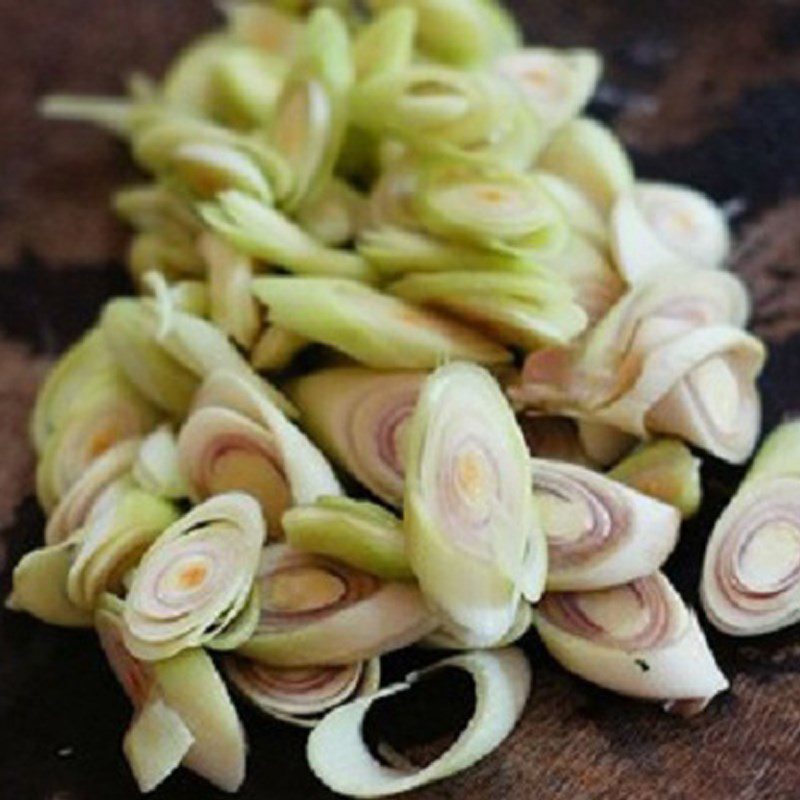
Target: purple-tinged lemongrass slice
301,695
157,468
341,759
638,639
751,573
600,533
472,531
196,579
315,610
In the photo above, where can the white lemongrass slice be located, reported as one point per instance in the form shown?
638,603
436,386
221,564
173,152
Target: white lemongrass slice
473,537
157,469
638,639
657,227
340,758
454,638
599,532
581,213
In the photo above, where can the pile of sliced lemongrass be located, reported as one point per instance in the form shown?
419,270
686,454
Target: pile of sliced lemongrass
407,192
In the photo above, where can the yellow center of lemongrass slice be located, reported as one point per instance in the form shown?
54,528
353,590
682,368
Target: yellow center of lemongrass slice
187,575
474,477
770,555
303,589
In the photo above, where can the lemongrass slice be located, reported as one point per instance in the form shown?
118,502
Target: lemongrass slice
454,638
664,469
556,83
275,349
315,610
262,232
586,153
340,758
336,215
516,309
638,639
157,468
301,696
391,199
473,537
658,226
358,533
157,209
583,215
195,579
374,329
386,44
750,574
359,417
110,410
264,27
71,512
173,256
600,533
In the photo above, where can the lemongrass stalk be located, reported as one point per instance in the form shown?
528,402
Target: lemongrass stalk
157,468
600,533
275,349
583,215
386,44
359,417
341,759
373,328
358,533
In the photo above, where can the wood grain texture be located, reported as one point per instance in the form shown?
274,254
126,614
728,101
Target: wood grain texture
704,92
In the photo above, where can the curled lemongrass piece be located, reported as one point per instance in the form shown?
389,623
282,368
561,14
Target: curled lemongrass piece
751,572
473,537
301,696
664,469
599,533
237,439
657,227
157,468
190,687
196,579
386,44
524,310
340,758
583,215
318,611
358,533
638,639
275,349
374,329
264,233
586,153
359,417
556,83
452,638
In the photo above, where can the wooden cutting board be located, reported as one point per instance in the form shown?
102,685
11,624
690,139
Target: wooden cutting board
705,93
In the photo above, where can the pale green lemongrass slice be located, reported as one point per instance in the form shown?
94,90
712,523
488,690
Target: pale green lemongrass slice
315,610
195,579
232,306
582,214
586,153
275,349
657,227
666,470
391,199
302,695
372,328
115,114
336,216
455,638
155,208
638,639
341,759
519,310
557,84
471,526
752,563
600,533
355,532
157,468
360,417
604,444
386,44
191,296
174,256
264,233
264,27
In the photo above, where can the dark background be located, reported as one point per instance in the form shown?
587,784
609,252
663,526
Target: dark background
702,92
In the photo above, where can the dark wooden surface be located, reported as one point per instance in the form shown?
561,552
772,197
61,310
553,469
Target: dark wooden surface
703,92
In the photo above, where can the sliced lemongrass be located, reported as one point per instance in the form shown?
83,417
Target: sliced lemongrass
301,696
355,532
155,208
604,444
586,153
657,227
195,579
751,572
341,759
600,533
556,83
336,216
454,638
372,328
157,468
264,27
638,639
359,417
275,349
175,257
391,199
664,469
471,527
522,310
264,233
386,44
112,113
582,214
315,610
191,296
